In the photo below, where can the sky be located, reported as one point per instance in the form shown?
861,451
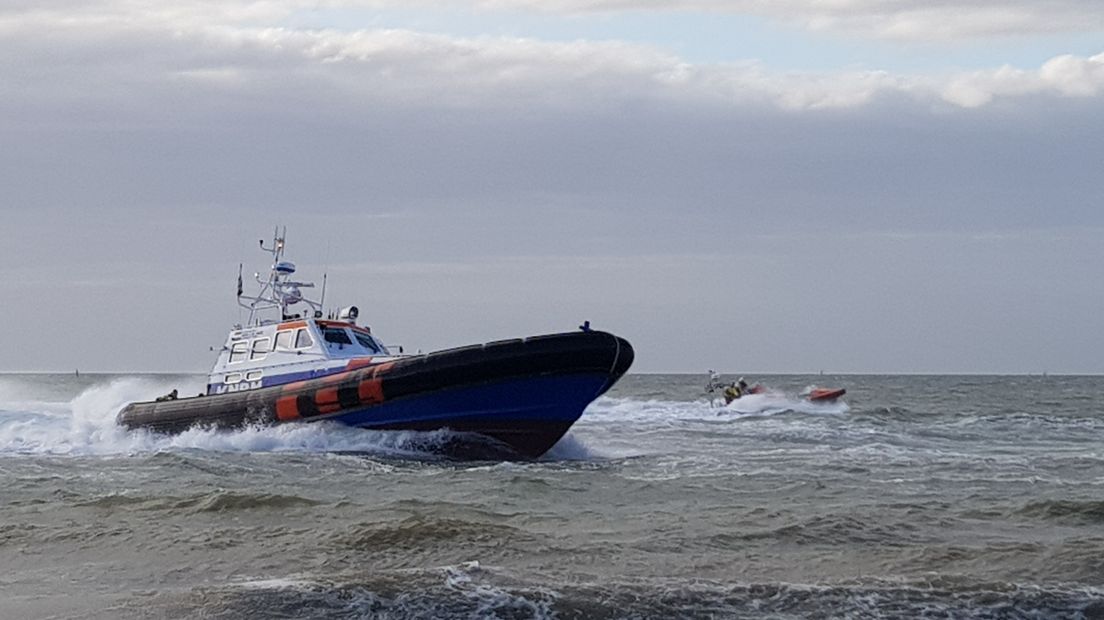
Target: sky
846,186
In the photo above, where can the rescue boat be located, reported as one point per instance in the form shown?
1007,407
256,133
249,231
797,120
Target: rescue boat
521,394
824,395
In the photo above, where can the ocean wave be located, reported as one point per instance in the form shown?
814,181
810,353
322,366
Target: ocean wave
423,533
1065,511
469,590
72,536
839,530
215,501
1071,560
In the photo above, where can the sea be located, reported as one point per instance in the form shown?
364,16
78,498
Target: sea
910,497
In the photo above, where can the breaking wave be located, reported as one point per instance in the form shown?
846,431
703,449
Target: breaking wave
470,590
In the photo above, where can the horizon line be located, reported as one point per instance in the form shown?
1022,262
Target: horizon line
77,372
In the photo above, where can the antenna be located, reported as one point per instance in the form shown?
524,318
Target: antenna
322,302
279,291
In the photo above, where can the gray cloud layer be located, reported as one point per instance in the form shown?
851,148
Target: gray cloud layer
854,221
157,53
917,20
907,20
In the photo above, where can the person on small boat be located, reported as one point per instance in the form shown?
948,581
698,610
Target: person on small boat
731,393
170,396
736,390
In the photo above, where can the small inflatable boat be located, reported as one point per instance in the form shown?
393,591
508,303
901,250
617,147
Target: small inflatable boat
824,395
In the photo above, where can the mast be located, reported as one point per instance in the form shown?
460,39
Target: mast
278,291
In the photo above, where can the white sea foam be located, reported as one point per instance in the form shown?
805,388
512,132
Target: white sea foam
662,412
489,598
464,590
569,448
86,426
770,403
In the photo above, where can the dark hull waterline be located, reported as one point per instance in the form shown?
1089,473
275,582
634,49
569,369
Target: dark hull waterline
524,394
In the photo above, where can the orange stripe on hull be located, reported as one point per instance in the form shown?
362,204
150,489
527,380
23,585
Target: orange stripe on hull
326,400
287,408
380,369
360,362
370,391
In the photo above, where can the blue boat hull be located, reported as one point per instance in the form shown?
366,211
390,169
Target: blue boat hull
529,415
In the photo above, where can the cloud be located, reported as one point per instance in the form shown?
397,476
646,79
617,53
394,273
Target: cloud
106,111
897,20
1065,76
136,57
904,20
415,120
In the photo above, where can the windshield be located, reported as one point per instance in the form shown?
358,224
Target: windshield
336,335
368,342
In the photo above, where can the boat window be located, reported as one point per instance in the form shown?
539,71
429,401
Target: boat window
233,378
254,375
284,339
239,352
336,335
366,341
260,349
303,339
